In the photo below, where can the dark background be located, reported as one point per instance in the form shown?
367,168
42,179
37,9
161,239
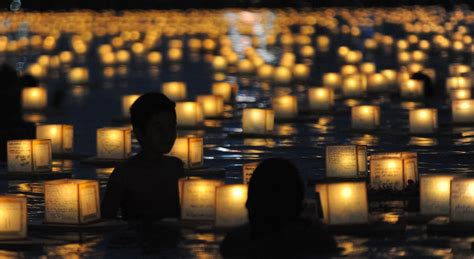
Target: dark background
31,5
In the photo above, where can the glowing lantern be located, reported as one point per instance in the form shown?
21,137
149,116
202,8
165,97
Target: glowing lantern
189,114
344,203
463,111
458,69
458,82
114,143
434,194
320,98
230,205
127,101
460,94
212,105
224,89
71,201
29,155
377,82
175,54
368,68
282,75
219,64
365,117
36,70
122,56
285,107
390,75
462,200
257,121
423,120
198,199
13,217
353,57
265,72
176,91
307,51
332,80
412,89
346,161
138,48
245,67
61,136
247,171
393,170
154,58
348,70
190,150
78,75
301,72
34,98
354,86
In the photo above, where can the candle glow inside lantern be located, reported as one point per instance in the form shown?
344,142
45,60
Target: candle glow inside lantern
282,75
458,82
321,98
393,170
61,136
78,75
257,121
365,117
29,155
219,64
344,203
198,199
423,120
190,150
301,72
71,201
354,86
462,200
458,69
346,161
212,105
189,114
127,101
412,89
285,106
230,205
434,194
377,82
332,80
463,111
247,171
460,94
13,217
34,98
224,89
176,91
114,143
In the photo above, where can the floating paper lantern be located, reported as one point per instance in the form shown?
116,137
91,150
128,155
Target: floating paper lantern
198,199
332,80
127,101
412,89
154,58
176,91
320,98
257,121
346,161
301,72
348,70
36,70
460,94
377,82
459,69
122,57
354,86
247,171
13,217
245,67
61,136
434,194
353,57
307,51
230,205
344,203
71,201
190,150
365,117
458,82
462,200
393,170
29,155
391,76
219,64
78,75
189,114
368,68
175,54
285,107
212,105
114,143
463,111
424,120
265,72
34,98
282,75
224,89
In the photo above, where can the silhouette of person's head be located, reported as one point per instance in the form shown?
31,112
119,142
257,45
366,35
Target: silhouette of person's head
153,117
275,195
10,95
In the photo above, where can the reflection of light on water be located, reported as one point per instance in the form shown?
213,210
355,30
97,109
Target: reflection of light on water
410,105
425,142
258,142
366,139
351,102
61,165
34,117
390,218
285,130
105,170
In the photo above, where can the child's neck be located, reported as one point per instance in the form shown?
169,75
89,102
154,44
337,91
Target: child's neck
150,155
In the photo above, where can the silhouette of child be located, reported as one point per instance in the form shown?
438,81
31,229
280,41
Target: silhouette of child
145,187
276,228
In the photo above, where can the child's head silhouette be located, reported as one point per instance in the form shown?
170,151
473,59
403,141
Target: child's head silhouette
153,118
275,194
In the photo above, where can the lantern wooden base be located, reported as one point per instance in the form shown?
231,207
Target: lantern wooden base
34,175
442,226
97,226
207,172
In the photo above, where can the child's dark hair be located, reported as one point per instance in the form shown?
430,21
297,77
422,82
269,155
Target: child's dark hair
147,105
